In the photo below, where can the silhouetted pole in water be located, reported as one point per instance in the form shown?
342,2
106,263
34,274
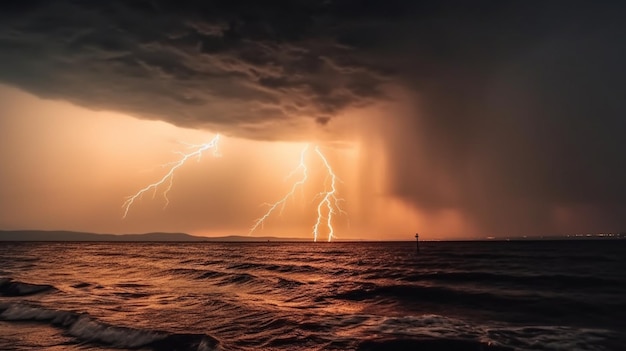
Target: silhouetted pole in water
417,242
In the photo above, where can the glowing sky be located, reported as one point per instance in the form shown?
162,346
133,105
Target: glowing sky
71,168
473,120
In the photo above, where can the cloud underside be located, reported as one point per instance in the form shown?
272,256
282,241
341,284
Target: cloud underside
517,110
237,67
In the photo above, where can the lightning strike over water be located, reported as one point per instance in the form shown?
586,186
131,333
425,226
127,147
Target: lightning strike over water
281,203
168,178
326,208
329,200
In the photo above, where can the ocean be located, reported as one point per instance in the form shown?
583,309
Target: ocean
526,295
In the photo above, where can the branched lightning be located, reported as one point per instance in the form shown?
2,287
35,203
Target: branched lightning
328,205
326,208
281,203
168,178
329,200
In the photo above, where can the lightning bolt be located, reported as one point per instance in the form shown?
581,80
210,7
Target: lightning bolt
168,178
329,200
281,203
326,208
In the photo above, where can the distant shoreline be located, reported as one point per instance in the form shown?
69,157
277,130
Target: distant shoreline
70,236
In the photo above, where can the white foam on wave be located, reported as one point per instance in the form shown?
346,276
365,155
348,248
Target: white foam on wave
206,345
87,329
20,312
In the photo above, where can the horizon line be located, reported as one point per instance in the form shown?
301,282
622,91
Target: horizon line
269,238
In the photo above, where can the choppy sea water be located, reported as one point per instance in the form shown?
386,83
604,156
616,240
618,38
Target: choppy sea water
305,296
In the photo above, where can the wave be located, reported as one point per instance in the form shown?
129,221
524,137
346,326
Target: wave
88,329
428,345
524,255
9,287
422,294
207,274
81,285
197,274
237,279
518,306
535,338
283,268
218,278
245,266
562,281
436,332
285,283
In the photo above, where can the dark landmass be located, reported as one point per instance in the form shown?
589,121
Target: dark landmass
43,235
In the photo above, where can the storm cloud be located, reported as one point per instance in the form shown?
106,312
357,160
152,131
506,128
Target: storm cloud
514,110
244,67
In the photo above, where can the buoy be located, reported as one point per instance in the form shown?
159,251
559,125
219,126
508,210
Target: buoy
417,242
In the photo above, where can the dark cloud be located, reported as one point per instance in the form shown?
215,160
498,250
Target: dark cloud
220,64
519,106
511,130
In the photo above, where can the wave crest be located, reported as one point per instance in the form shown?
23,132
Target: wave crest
88,329
10,287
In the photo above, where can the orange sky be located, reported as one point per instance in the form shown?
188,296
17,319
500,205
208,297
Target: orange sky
451,122
70,168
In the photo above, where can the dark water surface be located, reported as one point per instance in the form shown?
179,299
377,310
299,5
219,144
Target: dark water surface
305,296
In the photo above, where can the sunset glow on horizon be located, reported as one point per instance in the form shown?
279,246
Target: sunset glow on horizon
83,164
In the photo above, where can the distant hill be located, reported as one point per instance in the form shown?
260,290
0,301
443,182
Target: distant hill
43,235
